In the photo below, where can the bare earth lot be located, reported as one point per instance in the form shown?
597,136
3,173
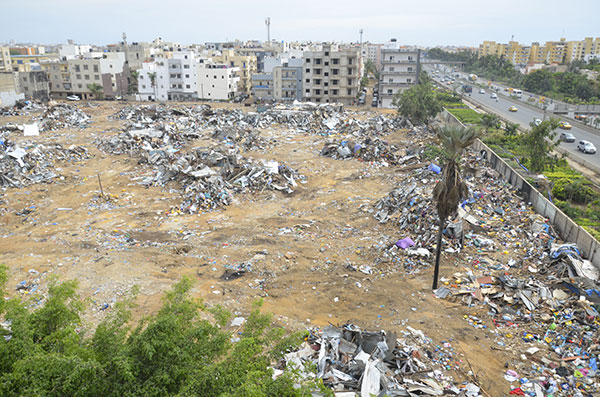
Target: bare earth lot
302,247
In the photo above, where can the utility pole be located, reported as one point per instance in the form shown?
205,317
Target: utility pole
268,23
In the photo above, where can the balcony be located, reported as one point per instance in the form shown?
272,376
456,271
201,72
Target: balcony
397,62
386,72
396,84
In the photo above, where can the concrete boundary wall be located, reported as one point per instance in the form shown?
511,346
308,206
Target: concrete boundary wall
565,226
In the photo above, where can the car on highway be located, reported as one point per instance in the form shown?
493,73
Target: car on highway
580,117
494,95
586,147
567,137
537,122
564,125
512,109
482,91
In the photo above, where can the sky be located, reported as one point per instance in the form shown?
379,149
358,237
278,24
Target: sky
415,22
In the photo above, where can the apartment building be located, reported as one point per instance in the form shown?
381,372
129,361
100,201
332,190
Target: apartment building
217,81
5,63
153,81
552,52
399,71
247,65
492,48
262,86
183,76
75,76
287,80
27,63
372,52
135,53
35,84
331,74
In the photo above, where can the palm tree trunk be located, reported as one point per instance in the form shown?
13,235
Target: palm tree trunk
438,251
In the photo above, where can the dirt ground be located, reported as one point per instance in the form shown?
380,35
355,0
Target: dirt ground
302,247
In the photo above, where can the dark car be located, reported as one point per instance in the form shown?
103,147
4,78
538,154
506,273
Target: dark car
567,137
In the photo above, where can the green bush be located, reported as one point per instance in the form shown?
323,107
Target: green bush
181,350
575,190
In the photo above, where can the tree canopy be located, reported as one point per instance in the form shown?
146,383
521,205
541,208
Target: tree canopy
418,103
184,349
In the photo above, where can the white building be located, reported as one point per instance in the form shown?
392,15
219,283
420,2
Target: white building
216,81
71,51
399,71
153,81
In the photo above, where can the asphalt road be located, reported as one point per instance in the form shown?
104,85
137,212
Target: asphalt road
525,115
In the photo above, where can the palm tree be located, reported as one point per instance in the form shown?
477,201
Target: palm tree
152,77
133,83
96,90
489,121
451,189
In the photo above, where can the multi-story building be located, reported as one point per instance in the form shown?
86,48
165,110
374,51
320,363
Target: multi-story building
26,63
492,48
372,52
153,81
262,86
183,76
59,78
247,65
331,74
217,81
399,71
555,51
135,53
287,80
5,64
35,84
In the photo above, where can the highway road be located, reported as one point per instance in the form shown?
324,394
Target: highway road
526,115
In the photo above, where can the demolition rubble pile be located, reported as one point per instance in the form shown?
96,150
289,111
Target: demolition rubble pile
62,115
29,163
371,149
209,177
353,362
246,139
542,297
136,141
21,108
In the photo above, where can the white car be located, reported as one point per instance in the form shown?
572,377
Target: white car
482,91
73,98
537,122
494,95
586,147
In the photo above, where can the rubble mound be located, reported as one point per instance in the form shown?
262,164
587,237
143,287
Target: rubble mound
35,163
62,115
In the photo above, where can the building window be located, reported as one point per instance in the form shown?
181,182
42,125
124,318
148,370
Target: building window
325,84
78,76
389,91
334,82
186,66
187,76
391,68
326,74
390,80
334,92
349,81
187,86
326,63
409,80
317,92
143,86
77,69
307,91
409,58
87,76
307,60
215,76
85,67
349,70
410,69
307,80
307,70
335,71
318,61
349,90
326,92
335,61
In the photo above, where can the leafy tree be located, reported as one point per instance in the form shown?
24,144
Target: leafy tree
489,121
539,81
181,350
511,129
539,143
451,189
418,103
96,90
